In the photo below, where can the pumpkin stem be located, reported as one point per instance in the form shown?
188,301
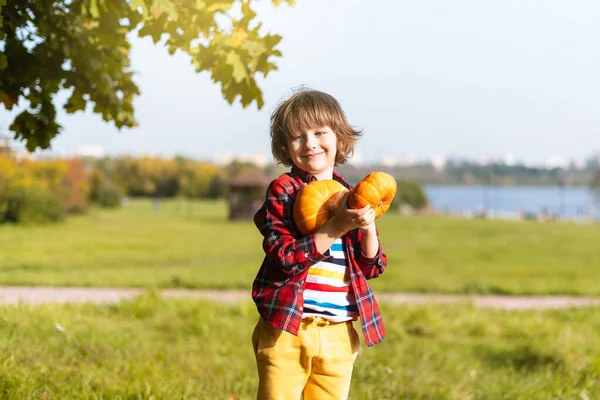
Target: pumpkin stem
331,210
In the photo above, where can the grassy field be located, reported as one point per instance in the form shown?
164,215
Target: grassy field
151,348
193,245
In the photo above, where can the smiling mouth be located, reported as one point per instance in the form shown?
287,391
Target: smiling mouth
312,155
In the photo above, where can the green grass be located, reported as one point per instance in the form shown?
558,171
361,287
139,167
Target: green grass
193,245
152,348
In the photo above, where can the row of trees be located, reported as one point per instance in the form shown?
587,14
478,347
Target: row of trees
158,177
465,173
595,184
47,190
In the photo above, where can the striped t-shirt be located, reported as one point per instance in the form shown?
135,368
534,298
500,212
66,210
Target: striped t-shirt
328,293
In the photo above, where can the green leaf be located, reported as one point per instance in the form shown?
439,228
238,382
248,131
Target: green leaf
204,58
230,92
76,102
154,28
239,69
248,14
35,98
254,48
252,92
2,3
266,68
215,6
135,4
163,6
3,61
36,129
272,40
94,9
222,73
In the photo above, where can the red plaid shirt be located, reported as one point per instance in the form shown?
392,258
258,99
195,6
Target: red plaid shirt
279,285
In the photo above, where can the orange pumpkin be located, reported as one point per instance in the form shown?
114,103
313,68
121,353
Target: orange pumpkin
315,203
376,189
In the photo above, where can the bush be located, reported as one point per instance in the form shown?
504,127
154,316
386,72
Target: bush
32,205
103,192
109,196
410,193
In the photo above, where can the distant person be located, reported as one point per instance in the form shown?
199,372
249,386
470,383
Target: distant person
544,214
309,289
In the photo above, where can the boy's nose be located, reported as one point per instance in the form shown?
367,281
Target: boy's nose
310,141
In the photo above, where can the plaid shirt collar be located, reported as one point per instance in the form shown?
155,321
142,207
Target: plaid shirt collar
307,177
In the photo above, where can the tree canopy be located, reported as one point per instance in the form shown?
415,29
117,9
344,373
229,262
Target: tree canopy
595,184
83,46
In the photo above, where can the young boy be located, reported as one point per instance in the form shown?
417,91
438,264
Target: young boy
309,289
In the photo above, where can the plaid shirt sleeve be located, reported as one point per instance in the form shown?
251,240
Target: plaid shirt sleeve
371,267
275,222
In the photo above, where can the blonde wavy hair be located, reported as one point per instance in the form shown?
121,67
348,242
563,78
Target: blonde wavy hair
308,109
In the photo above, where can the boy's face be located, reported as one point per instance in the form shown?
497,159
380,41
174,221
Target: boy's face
314,151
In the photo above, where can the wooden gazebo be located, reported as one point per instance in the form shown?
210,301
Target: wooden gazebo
246,195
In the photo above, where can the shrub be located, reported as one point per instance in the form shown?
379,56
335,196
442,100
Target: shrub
103,192
410,193
109,196
32,205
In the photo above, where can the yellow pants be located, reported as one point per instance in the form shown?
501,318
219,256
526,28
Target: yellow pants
315,365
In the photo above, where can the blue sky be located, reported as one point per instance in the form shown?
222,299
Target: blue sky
471,79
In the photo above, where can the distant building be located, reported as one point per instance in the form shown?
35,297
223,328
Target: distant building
260,160
246,195
91,151
593,162
439,163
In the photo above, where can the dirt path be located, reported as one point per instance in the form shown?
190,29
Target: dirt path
37,295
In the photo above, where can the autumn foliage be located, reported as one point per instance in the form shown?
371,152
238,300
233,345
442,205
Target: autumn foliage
48,189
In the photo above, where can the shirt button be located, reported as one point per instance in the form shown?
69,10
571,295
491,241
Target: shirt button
306,255
301,308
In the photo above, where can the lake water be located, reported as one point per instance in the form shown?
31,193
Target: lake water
570,202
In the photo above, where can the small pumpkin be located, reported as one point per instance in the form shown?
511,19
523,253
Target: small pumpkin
376,189
315,203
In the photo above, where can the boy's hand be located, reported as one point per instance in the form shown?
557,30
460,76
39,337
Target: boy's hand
346,219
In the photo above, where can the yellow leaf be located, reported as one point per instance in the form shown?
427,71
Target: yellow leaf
239,69
238,37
